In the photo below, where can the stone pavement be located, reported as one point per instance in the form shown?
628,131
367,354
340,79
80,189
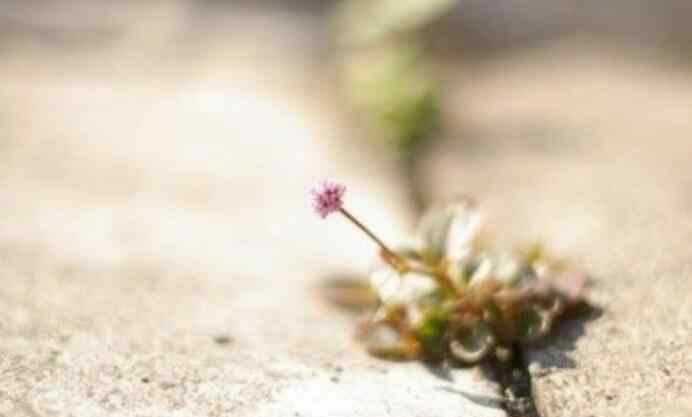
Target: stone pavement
158,257
157,251
590,153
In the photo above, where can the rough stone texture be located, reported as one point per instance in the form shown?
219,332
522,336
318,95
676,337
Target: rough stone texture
158,254
590,153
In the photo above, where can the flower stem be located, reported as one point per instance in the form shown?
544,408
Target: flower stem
392,258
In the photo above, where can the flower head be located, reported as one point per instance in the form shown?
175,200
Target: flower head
327,198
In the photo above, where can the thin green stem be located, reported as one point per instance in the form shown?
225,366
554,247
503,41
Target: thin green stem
390,256
367,231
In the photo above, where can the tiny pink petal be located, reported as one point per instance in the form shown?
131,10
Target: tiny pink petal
327,198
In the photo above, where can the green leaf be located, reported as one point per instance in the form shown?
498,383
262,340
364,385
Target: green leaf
463,229
433,230
472,344
532,324
430,333
449,232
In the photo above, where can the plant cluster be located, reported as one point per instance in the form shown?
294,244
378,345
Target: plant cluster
452,295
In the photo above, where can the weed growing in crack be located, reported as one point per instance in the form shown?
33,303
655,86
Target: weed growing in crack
451,295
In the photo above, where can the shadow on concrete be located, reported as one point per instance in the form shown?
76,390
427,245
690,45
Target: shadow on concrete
559,344
347,292
482,400
440,370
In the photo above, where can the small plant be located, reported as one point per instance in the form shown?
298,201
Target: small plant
450,295
390,78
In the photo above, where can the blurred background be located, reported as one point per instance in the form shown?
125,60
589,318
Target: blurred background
155,156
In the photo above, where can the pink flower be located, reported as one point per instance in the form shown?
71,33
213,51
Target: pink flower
327,198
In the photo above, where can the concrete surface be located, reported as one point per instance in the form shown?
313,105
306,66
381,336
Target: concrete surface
590,153
158,253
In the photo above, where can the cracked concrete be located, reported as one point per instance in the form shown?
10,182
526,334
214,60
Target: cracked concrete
157,250
589,152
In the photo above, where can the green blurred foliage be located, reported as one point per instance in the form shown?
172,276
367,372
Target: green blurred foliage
387,73
470,300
